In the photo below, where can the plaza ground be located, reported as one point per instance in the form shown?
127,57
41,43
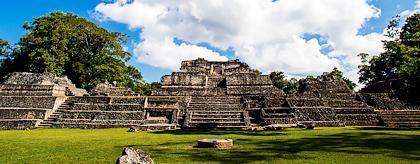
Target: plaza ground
322,145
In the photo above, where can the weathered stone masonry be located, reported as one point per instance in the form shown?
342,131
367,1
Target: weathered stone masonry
204,94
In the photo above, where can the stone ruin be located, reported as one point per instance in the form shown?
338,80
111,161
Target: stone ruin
211,78
203,94
110,90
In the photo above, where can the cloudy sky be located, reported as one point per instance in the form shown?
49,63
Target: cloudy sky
298,37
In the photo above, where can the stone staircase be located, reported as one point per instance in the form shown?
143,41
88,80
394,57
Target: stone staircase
278,115
100,112
314,110
353,112
47,123
400,118
216,112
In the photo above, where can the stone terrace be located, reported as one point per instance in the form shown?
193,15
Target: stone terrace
204,94
124,111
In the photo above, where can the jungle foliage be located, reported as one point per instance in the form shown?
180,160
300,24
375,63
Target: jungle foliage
66,44
399,61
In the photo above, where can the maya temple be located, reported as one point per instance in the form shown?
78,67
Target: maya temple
203,94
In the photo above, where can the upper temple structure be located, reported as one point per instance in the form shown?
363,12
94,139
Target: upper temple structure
202,77
203,94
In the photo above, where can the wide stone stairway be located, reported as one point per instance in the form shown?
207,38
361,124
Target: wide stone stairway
314,110
352,111
215,112
99,112
400,118
277,111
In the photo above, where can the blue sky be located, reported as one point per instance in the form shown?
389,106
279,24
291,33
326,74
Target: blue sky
15,13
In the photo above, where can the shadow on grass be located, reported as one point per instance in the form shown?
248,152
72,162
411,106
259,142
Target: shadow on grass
220,132
385,128
248,150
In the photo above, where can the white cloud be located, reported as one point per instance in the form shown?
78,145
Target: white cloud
418,4
267,35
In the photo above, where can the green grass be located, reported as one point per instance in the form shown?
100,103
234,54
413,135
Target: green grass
323,145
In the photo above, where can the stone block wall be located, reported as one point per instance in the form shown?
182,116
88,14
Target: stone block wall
248,80
11,113
252,90
21,112
26,90
385,101
184,79
46,102
8,124
305,102
26,78
109,90
119,111
92,99
323,87
315,114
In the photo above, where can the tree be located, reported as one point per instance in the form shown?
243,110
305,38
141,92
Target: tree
146,88
292,86
336,74
279,81
400,60
5,57
66,44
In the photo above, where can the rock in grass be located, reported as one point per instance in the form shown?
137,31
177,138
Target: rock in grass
301,125
134,156
133,129
311,126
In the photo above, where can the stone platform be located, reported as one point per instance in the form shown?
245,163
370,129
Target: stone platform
203,94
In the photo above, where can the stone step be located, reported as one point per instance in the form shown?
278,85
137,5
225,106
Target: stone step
268,121
85,121
217,116
401,112
221,98
217,127
399,119
399,116
353,110
216,105
278,115
217,112
215,102
157,121
324,123
217,124
403,124
44,125
278,110
362,123
49,120
91,125
194,119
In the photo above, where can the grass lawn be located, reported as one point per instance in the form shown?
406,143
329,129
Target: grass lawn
323,145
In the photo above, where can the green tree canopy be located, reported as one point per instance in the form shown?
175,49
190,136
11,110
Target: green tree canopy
291,86
336,74
66,44
400,60
279,80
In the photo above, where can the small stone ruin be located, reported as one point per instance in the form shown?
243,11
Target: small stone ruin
203,94
215,143
110,90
